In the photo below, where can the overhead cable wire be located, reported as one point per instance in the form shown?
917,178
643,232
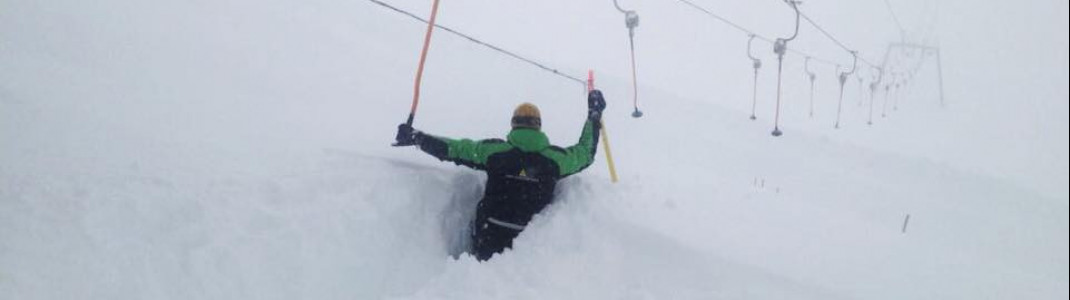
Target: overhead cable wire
751,32
687,2
488,45
902,33
834,39
726,21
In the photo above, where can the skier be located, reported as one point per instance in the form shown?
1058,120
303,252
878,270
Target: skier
521,171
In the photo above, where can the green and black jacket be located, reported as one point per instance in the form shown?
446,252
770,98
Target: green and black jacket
522,171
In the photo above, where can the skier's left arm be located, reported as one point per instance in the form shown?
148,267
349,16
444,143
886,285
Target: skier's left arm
577,157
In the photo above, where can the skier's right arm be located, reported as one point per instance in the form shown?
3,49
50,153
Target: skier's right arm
463,152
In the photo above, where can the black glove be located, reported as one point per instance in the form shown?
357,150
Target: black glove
595,104
407,136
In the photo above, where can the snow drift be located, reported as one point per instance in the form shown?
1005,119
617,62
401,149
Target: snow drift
240,149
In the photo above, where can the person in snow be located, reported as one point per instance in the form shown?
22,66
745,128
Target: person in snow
522,170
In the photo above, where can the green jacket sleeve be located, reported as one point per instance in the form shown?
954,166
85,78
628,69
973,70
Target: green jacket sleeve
577,157
463,152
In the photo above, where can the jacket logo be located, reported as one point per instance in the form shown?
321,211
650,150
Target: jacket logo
523,176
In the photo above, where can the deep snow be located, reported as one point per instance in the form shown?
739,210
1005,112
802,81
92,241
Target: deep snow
240,149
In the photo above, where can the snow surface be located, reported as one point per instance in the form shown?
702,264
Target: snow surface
240,150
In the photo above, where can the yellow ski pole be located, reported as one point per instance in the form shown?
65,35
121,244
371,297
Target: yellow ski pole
609,154
602,132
